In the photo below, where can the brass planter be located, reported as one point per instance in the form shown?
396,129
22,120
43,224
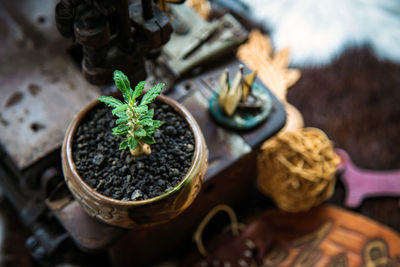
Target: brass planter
142,213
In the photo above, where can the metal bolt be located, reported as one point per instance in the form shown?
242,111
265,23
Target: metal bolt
248,253
250,244
39,253
31,243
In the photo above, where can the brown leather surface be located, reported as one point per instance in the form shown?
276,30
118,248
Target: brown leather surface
330,236
323,236
249,247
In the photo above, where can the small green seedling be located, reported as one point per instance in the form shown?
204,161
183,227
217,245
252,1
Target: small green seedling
135,120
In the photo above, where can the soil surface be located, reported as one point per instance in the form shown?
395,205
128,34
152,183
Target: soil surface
115,173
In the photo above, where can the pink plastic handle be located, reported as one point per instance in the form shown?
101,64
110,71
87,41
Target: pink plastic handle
361,183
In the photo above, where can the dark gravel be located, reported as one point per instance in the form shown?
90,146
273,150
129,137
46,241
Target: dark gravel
116,173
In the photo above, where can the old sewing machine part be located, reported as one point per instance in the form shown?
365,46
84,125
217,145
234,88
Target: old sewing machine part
44,78
113,35
42,89
39,96
195,41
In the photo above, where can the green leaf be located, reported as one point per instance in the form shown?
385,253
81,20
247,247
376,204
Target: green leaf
138,90
140,133
157,124
110,101
152,94
148,115
120,129
121,114
141,113
152,128
147,122
122,83
121,108
132,143
124,144
140,109
123,120
148,140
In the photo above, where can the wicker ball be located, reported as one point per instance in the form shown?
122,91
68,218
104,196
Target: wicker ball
297,169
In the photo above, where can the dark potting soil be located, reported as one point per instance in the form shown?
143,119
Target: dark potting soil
115,173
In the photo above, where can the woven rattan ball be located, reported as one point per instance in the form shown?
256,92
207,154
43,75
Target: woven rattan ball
297,169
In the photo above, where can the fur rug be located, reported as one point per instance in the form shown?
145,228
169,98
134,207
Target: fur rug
319,31
355,100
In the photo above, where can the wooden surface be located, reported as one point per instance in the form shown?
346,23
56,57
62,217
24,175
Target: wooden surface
330,236
324,236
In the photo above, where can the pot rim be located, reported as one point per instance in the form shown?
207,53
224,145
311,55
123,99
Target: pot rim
193,126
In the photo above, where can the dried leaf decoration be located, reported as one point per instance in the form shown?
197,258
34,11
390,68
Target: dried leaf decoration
272,69
202,7
234,94
224,87
248,82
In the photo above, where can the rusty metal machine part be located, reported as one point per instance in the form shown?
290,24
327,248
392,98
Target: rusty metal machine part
113,35
196,41
42,89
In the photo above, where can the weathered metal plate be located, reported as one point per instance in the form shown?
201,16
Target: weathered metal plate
27,23
224,146
40,86
88,233
38,103
203,42
207,83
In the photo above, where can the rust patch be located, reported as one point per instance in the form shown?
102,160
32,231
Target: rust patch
34,89
3,121
35,126
41,19
14,99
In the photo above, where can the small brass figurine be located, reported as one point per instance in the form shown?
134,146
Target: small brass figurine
239,94
241,103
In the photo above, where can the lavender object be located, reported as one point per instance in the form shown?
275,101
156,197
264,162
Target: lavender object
362,183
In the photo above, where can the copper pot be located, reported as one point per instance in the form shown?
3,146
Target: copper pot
141,213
